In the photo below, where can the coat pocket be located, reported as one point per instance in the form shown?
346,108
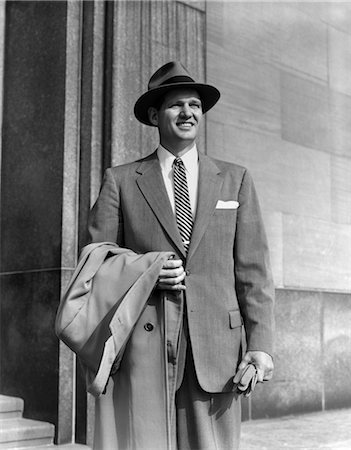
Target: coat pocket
235,319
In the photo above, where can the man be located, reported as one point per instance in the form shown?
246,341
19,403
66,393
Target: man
206,213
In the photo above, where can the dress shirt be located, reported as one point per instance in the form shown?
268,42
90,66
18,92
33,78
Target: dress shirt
191,163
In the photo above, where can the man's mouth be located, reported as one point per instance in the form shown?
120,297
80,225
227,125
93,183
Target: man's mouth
185,125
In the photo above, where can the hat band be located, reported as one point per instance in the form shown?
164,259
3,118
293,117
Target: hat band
175,80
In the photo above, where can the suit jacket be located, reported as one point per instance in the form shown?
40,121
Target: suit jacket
228,282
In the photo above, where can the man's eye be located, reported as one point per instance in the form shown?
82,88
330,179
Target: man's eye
195,105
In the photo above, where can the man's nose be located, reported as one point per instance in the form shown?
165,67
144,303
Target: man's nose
186,110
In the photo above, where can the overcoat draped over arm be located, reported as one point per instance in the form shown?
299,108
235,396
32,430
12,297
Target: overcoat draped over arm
102,317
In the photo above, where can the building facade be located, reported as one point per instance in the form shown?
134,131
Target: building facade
71,72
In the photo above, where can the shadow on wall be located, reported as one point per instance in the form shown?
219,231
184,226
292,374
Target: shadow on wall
337,370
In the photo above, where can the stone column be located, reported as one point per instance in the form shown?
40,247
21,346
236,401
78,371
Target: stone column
146,35
51,167
32,171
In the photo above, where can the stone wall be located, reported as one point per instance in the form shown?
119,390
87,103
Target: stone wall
285,114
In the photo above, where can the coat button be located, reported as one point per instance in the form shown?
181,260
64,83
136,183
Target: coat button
172,360
148,326
187,272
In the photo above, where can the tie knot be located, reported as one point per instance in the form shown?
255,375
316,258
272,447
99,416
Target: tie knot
178,162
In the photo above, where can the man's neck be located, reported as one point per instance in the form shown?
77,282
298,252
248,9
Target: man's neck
178,151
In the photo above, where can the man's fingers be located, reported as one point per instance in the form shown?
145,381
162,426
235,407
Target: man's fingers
171,276
171,279
264,375
170,287
268,375
260,375
244,362
172,264
263,362
171,273
242,365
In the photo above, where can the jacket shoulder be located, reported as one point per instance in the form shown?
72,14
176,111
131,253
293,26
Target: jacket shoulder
229,168
130,167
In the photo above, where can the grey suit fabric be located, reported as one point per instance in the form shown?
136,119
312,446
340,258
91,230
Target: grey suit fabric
228,283
205,421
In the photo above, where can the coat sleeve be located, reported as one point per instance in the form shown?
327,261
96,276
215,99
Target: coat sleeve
254,283
105,222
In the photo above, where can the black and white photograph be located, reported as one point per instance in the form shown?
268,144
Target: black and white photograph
175,225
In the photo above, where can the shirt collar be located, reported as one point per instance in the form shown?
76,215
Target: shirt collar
190,159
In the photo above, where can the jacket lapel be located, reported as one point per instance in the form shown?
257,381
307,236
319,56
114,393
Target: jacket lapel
210,183
151,184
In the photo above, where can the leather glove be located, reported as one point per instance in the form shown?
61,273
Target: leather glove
245,380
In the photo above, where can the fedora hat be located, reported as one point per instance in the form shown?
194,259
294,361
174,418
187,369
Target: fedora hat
172,75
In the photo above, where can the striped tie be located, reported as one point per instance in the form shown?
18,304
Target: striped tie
182,202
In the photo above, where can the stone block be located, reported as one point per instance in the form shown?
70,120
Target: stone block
305,112
29,347
335,14
317,254
249,95
303,43
276,33
339,56
340,122
341,189
297,385
215,136
337,350
245,29
315,117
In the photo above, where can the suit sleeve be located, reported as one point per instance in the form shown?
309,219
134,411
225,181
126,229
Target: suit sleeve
105,222
254,283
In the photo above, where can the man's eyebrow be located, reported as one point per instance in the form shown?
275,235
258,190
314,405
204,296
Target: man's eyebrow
191,99
183,100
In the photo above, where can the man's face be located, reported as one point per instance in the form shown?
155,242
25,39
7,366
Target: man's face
178,118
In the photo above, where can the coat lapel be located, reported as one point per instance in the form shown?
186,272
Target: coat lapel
151,184
210,183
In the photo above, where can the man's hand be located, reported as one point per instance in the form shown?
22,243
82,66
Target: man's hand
171,276
263,362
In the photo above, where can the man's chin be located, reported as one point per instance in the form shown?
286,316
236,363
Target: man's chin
187,134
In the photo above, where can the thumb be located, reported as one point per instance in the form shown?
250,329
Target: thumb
244,362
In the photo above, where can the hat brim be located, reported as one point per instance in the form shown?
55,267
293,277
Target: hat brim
209,97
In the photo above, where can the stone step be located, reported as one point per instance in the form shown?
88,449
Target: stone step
10,407
69,447
56,447
24,434
18,432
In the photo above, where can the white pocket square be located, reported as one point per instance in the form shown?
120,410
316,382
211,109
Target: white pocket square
230,204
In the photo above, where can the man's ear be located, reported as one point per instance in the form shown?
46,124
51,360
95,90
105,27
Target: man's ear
153,115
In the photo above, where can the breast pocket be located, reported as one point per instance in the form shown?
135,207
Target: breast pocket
222,227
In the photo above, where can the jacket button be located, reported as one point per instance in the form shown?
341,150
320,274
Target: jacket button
187,272
148,326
